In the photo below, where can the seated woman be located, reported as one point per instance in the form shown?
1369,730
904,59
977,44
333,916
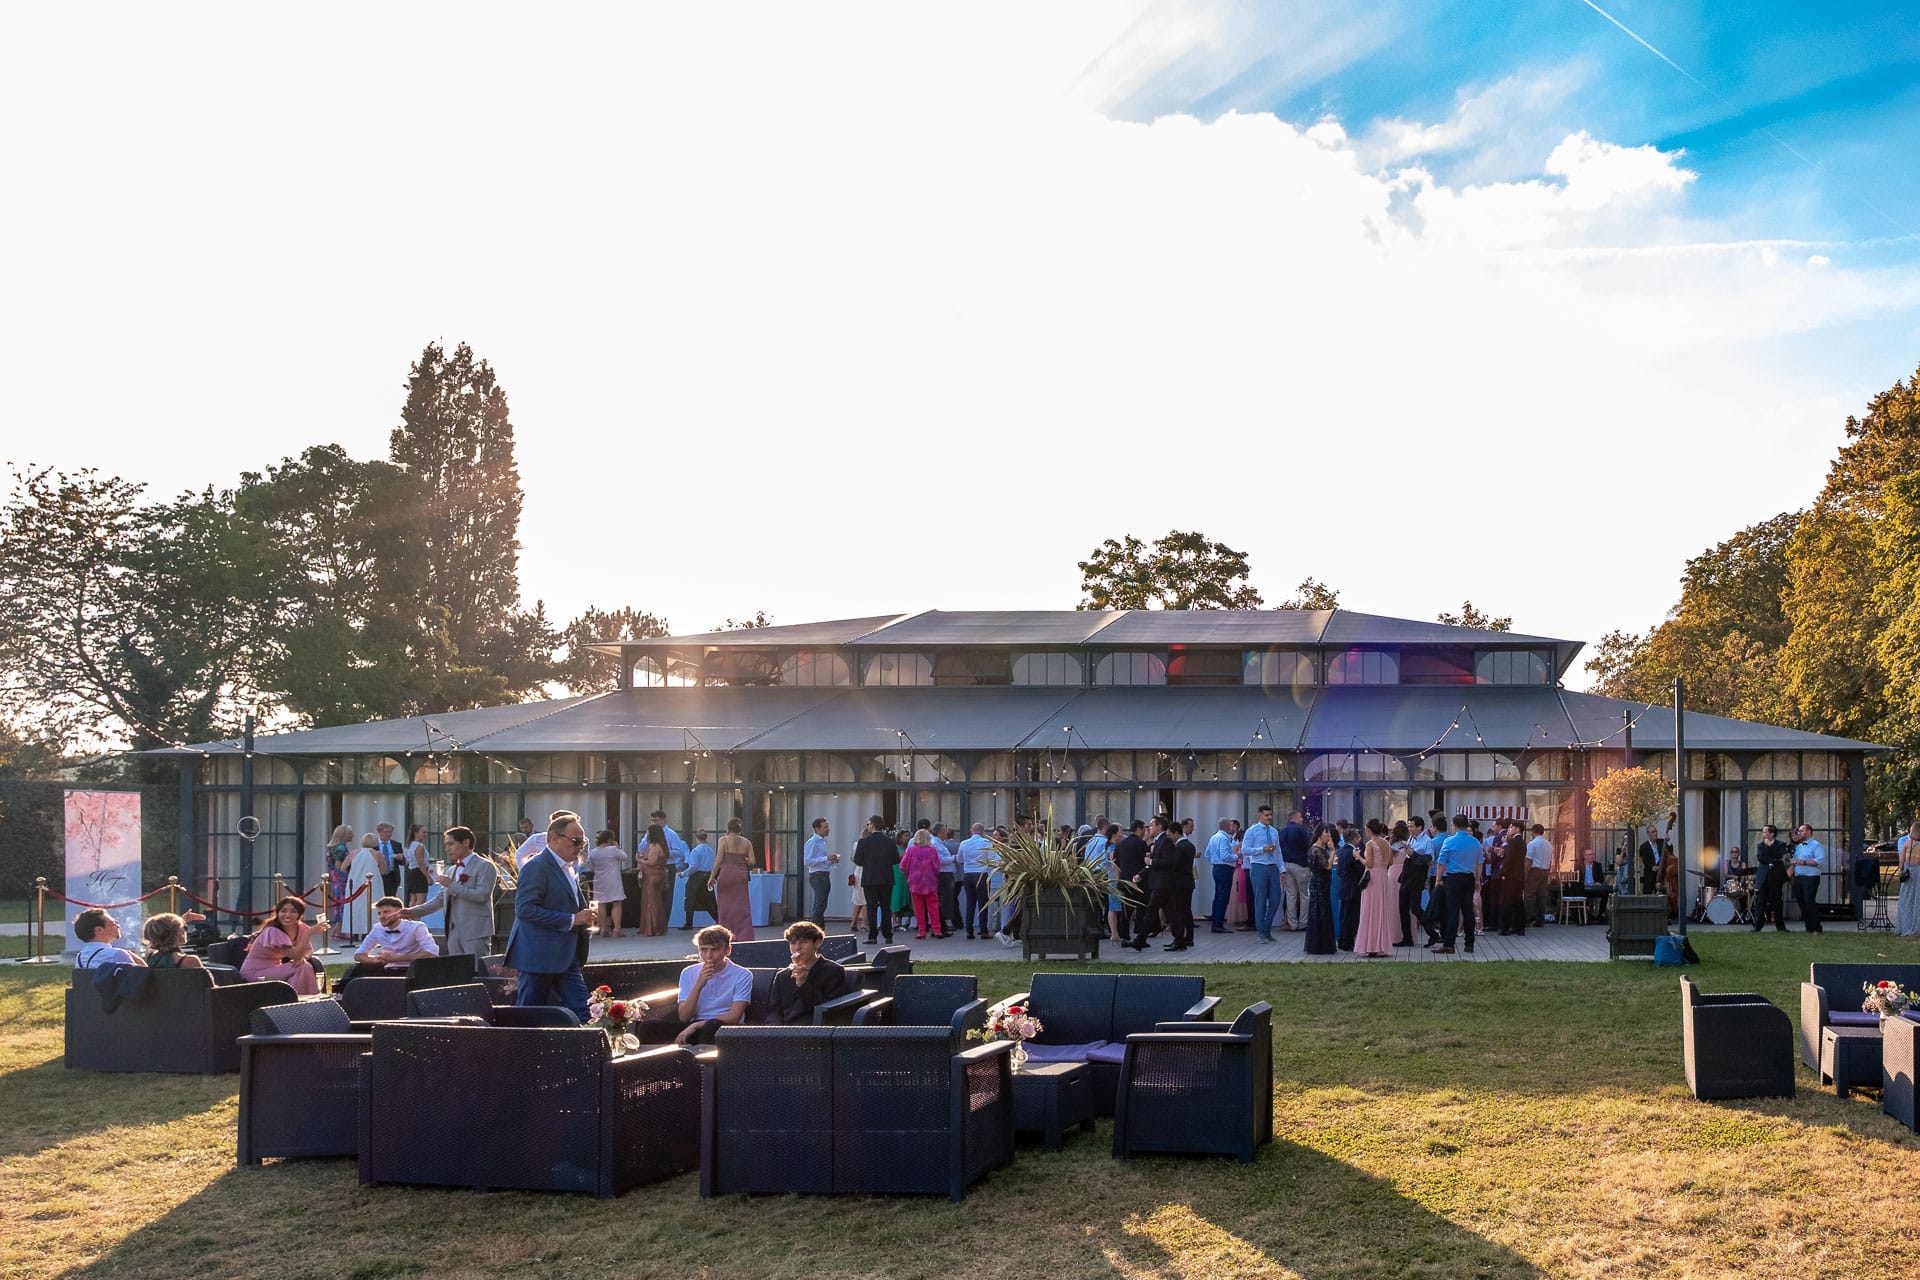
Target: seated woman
810,980
282,950
165,935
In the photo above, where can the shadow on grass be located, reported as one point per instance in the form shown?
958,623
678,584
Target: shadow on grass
1066,1215
47,1104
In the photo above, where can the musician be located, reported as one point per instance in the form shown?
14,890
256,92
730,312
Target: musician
1772,860
1649,862
1736,878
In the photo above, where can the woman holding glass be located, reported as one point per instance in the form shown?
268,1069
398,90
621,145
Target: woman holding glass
606,860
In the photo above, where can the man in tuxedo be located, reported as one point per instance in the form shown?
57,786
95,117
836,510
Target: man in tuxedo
548,943
1180,908
1514,869
467,888
876,855
1130,872
1351,869
1161,868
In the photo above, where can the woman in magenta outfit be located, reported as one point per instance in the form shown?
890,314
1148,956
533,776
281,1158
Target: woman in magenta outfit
280,950
921,867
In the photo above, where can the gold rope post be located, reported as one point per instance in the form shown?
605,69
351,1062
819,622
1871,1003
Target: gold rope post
279,889
173,895
40,955
324,925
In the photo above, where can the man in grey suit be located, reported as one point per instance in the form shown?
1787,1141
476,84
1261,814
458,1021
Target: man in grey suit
467,889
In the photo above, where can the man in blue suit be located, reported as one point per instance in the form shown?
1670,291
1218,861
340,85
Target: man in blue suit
550,917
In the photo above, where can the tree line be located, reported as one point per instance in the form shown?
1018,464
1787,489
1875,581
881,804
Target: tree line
1809,618
324,589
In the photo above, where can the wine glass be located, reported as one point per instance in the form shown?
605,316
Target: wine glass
593,925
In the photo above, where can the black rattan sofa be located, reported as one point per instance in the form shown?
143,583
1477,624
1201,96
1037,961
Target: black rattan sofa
1831,996
1735,1045
182,1021
1197,1087
1086,1017
523,1108
928,1000
853,1111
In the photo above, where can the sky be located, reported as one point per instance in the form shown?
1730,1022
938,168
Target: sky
833,311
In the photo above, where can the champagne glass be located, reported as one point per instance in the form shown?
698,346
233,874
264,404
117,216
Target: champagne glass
593,925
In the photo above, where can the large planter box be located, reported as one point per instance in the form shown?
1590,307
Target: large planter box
1635,921
1057,924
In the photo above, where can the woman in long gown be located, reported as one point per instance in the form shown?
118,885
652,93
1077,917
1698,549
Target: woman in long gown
1320,893
339,854
280,950
1381,897
732,864
655,893
358,914
1906,917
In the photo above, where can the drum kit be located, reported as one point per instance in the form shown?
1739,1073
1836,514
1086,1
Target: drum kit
1732,903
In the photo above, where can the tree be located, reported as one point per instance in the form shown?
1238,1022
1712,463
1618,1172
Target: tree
1630,797
1470,616
579,668
1181,571
760,618
134,621
456,564
1313,594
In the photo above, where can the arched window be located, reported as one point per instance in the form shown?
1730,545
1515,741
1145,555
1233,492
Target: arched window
1130,669
897,670
1364,666
1282,670
1049,668
816,669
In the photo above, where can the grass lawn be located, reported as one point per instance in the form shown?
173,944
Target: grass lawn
1431,1121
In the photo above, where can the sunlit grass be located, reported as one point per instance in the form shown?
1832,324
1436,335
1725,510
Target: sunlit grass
1433,1121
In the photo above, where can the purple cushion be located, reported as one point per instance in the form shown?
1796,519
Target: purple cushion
1114,1053
1855,1019
1911,1015
1061,1052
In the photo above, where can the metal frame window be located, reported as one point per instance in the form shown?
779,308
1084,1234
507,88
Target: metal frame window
1282,669
1512,666
897,670
816,669
1204,666
1364,666
1049,667
1130,669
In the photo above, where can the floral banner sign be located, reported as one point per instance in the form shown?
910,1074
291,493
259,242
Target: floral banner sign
103,857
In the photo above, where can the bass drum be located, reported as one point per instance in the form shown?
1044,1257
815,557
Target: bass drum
1720,910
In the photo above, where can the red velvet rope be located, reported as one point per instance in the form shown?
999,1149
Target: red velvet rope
108,906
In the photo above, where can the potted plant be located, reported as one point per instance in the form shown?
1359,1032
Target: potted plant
1061,897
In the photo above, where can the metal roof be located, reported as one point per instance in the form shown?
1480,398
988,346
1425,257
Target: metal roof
1237,627
1220,718
1055,627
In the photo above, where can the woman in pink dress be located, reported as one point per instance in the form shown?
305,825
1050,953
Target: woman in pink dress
732,866
280,950
921,866
1379,899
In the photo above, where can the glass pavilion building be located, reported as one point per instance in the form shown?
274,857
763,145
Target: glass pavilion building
966,717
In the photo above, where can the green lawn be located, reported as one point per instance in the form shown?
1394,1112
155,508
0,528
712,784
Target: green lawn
1431,1121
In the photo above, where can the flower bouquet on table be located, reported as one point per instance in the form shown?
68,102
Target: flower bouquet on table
1887,999
614,1017
1010,1022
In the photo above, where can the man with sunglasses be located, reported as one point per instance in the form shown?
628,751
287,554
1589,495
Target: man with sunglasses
550,918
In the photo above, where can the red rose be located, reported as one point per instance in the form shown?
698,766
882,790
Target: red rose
617,1011
1015,1009
463,877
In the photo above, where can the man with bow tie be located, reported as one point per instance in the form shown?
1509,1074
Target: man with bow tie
548,943
468,885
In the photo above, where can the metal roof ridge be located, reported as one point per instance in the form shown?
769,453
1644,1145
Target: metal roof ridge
809,709
896,620
568,704
1117,615
1560,700
1326,623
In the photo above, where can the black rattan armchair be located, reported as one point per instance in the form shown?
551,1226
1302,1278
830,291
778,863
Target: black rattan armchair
523,1108
473,1001
181,1021
878,973
1735,1045
378,998
300,1082
1897,1068
442,971
1195,1087
928,1000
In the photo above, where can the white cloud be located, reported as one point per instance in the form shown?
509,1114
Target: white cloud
760,299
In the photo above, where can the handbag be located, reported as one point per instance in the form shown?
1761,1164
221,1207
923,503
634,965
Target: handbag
1366,878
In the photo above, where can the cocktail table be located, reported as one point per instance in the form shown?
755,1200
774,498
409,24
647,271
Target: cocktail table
1051,1097
1849,1056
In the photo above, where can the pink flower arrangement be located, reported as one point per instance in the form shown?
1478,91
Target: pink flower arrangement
1886,999
1011,1022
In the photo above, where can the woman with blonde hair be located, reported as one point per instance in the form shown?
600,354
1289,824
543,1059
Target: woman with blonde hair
164,936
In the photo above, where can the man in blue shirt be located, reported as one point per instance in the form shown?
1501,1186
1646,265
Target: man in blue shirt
699,871
1809,860
819,862
976,868
1459,866
1224,859
1260,850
